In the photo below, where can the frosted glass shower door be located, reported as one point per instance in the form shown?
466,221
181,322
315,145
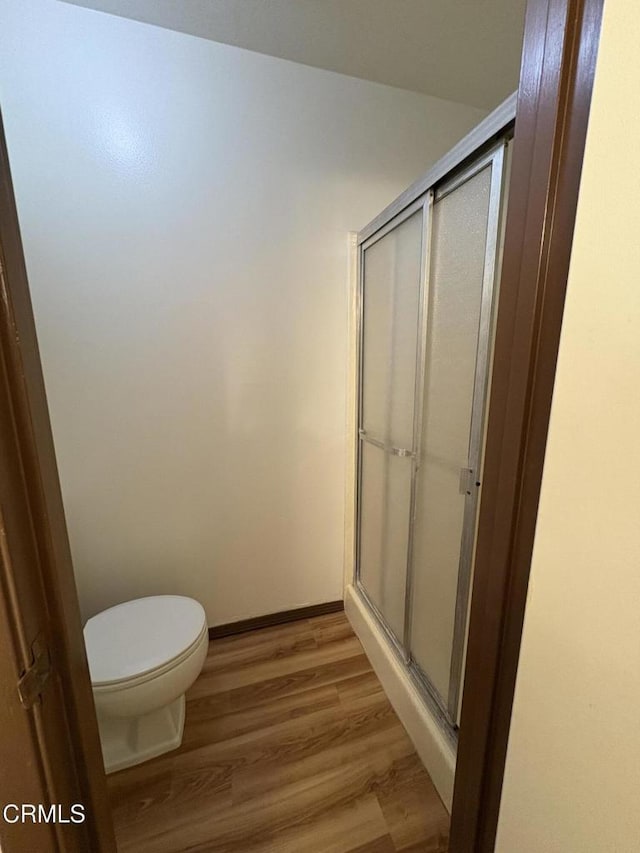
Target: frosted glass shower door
458,321
391,294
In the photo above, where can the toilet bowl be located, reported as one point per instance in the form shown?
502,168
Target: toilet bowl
143,656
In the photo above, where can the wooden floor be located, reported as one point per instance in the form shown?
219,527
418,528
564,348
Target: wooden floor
289,745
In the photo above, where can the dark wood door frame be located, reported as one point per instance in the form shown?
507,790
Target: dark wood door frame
558,67
57,614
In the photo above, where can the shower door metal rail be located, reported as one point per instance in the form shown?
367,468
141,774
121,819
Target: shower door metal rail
444,709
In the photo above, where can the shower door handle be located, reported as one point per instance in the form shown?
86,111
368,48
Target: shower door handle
467,481
401,451
388,448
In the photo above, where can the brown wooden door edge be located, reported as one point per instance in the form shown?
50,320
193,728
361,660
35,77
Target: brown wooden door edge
558,67
49,749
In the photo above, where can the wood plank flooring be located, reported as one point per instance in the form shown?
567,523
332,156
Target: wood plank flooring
290,745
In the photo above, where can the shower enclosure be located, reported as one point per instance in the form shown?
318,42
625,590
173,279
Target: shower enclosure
428,268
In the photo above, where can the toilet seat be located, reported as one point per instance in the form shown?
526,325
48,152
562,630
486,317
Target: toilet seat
135,680
139,640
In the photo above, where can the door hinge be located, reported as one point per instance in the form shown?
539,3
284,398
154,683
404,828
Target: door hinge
32,682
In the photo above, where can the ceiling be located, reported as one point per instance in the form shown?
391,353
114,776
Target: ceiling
462,50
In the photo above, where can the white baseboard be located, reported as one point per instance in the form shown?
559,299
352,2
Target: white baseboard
433,747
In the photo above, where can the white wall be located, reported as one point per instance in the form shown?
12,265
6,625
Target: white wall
573,767
185,208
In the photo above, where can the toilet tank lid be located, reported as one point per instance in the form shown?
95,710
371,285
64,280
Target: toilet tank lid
139,636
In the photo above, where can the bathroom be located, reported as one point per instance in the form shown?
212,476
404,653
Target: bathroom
190,184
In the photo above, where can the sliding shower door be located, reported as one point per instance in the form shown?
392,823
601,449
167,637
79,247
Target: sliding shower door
391,268
458,325
426,304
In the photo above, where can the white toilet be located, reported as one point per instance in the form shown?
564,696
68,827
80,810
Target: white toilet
143,656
